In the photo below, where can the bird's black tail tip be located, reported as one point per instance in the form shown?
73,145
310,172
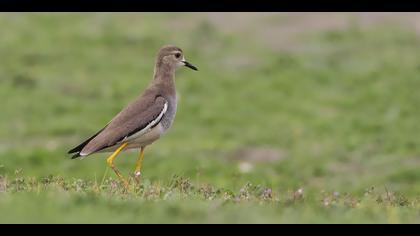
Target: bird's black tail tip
77,155
74,154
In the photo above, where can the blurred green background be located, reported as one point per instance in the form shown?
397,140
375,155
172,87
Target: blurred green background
319,101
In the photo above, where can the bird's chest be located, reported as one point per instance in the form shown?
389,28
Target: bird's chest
169,116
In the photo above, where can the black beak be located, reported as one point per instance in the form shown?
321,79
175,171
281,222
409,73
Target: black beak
187,64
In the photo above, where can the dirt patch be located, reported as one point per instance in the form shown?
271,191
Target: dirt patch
279,30
255,155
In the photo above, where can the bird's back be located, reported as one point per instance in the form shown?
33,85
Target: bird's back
133,118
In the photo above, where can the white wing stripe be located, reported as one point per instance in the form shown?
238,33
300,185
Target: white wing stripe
151,124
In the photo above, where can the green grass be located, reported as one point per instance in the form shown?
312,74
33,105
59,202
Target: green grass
180,201
338,108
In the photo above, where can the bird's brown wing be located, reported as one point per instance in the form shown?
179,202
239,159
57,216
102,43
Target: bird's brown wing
141,114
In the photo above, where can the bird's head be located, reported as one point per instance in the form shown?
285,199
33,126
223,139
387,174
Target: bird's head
172,57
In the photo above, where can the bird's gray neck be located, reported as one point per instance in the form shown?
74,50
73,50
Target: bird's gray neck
164,77
163,70
164,80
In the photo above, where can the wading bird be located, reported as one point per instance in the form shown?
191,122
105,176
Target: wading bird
144,120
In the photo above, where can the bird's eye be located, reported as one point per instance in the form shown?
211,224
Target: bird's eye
177,55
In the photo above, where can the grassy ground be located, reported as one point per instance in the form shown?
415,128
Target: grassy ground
315,124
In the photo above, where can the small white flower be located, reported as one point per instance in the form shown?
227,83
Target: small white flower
300,191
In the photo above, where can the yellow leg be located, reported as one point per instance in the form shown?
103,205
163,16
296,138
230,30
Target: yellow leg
110,162
137,172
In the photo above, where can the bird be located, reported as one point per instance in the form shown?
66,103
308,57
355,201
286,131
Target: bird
144,120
